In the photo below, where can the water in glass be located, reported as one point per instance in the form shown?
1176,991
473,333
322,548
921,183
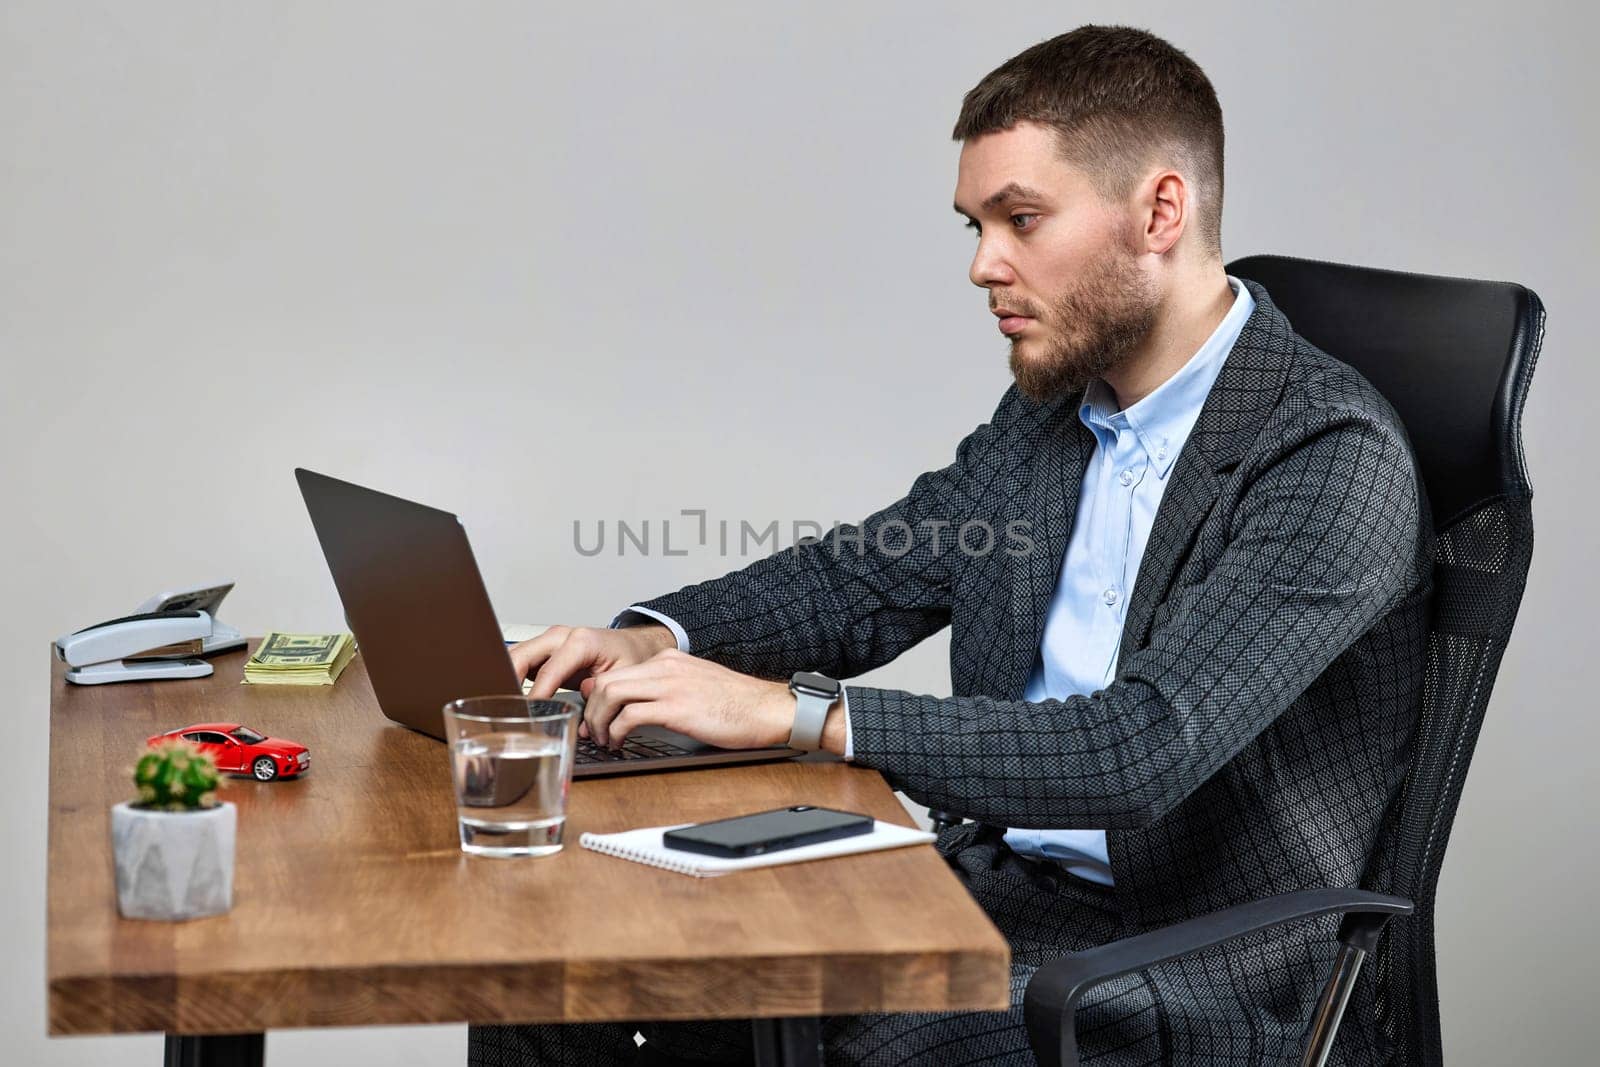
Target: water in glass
511,777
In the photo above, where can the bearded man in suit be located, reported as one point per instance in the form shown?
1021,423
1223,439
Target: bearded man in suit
1197,684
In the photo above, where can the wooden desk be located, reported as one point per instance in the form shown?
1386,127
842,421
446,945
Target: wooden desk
353,904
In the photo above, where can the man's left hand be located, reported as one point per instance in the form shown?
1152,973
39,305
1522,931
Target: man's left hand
691,695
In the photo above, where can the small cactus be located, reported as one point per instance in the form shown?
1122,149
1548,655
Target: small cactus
175,776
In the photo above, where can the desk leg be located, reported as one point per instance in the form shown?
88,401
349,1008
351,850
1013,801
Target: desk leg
215,1050
788,1042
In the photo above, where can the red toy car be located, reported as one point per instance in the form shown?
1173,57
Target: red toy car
239,749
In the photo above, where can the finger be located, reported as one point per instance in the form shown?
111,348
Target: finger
634,715
613,691
575,681
526,655
598,706
576,653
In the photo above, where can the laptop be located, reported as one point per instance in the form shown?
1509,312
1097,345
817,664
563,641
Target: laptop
415,601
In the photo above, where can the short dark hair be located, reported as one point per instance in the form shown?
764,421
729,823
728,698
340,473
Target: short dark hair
1116,97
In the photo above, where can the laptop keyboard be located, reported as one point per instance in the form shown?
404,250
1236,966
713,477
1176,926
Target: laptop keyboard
634,748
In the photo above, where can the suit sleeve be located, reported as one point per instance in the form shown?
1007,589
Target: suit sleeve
1322,544
856,598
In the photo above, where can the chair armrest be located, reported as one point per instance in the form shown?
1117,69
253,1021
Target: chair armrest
1055,989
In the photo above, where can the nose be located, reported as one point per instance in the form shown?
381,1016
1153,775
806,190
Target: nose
989,267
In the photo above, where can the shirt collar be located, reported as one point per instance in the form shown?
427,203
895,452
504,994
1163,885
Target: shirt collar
1162,420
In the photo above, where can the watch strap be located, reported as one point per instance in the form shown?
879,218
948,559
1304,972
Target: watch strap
810,715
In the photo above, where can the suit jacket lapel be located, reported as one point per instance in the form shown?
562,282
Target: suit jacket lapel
1246,391
1059,460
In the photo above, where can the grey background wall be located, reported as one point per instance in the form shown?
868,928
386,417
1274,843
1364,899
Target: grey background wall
542,264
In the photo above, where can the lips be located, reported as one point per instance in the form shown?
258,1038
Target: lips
1010,321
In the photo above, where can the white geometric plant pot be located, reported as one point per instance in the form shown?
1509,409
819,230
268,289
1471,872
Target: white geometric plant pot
173,864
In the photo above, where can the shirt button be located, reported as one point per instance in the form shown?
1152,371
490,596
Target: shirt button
1161,453
1110,597
1126,477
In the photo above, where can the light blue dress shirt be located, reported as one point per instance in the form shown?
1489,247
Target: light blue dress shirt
1135,449
678,633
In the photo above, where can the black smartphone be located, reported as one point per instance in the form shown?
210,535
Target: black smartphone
767,831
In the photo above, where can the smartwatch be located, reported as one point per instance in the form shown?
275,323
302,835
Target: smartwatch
814,694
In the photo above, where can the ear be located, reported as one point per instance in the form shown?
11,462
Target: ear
1165,200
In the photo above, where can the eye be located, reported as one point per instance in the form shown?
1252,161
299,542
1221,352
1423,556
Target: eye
974,227
1022,229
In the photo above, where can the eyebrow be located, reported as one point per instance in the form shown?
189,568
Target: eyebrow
1008,192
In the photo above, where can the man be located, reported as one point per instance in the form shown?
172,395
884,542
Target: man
1196,686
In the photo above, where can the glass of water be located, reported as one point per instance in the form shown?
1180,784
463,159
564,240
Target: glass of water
511,762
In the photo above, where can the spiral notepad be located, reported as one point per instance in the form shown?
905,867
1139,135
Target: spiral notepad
644,846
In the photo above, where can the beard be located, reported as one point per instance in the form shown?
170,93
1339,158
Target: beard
1091,329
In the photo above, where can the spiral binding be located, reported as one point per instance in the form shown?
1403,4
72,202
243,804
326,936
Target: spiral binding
599,843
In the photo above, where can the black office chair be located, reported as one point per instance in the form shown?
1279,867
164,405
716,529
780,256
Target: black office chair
1455,358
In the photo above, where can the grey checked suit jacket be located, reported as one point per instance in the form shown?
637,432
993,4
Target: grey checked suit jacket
1268,679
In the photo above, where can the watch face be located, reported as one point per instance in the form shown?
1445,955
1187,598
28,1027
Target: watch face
815,685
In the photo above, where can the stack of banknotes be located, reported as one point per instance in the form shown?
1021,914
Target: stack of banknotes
299,659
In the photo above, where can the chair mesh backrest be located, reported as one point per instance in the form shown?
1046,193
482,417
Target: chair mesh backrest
1478,580
1455,358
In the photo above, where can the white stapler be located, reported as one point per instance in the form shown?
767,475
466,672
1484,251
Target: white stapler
114,651
206,598
159,641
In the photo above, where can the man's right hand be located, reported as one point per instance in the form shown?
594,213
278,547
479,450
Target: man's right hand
564,656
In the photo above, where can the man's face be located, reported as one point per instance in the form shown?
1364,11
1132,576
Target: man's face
1058,256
